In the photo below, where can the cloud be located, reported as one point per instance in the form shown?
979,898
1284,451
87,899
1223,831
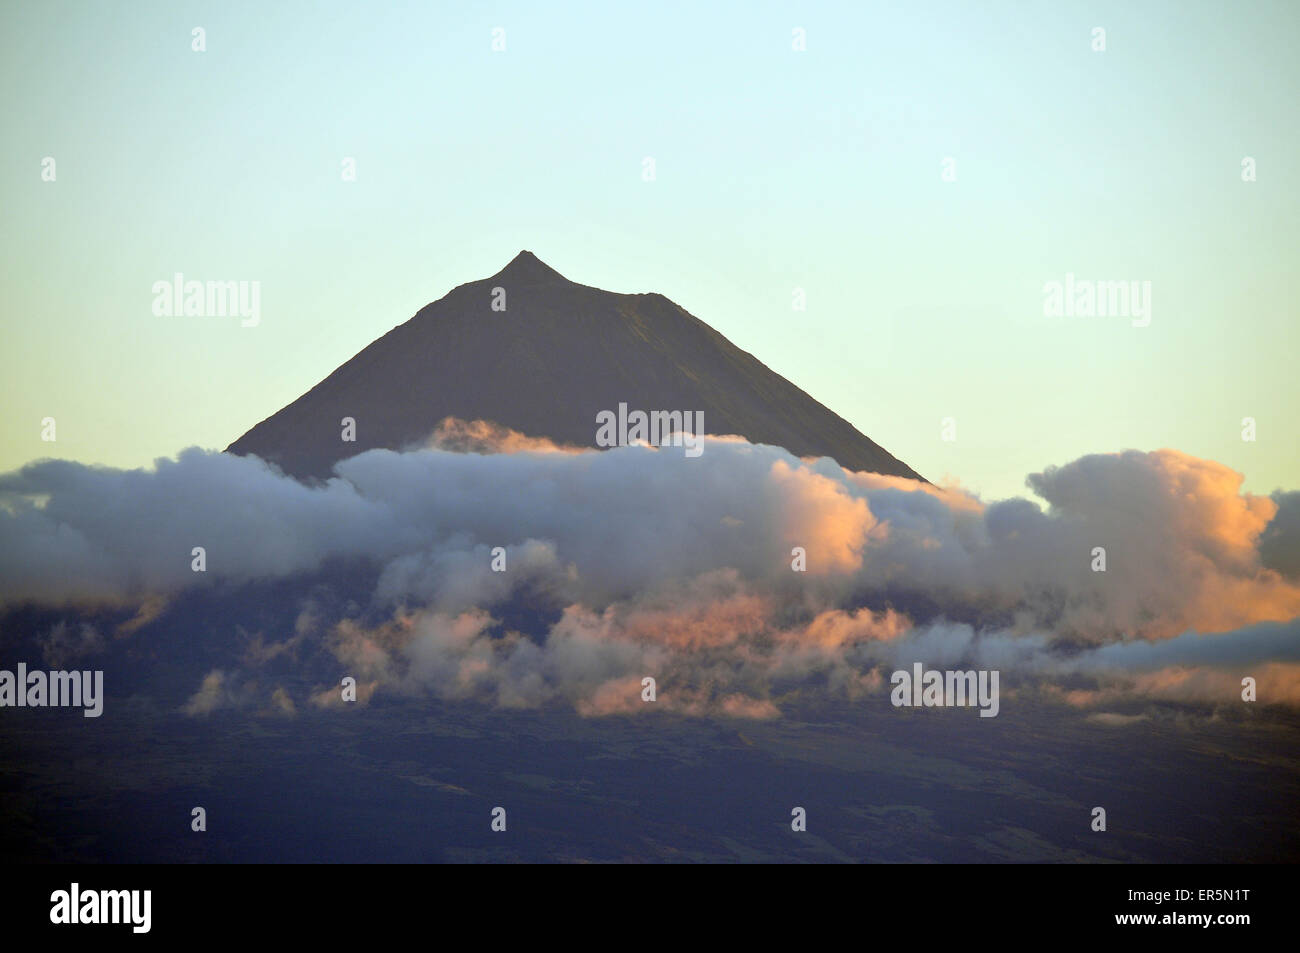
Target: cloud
1277,544
1253,645
483,436
212,694
635,562
281,703
1180,533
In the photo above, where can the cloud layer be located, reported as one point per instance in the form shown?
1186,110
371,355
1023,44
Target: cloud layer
634,562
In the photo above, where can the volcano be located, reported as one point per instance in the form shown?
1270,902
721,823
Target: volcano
531,351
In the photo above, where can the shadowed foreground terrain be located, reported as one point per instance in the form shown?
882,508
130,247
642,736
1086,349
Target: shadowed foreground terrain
416,783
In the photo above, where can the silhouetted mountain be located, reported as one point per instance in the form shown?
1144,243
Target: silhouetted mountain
560,353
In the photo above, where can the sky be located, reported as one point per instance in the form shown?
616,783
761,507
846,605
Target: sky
775,169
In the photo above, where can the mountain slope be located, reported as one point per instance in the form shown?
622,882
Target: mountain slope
560,353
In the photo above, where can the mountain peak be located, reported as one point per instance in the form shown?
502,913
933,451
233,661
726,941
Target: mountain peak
527,267
563,354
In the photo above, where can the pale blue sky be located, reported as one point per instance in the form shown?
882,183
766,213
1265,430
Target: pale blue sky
775,170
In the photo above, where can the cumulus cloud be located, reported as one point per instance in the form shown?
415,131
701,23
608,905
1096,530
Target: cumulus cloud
635,562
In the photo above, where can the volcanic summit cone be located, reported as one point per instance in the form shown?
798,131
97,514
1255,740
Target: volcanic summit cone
559,354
